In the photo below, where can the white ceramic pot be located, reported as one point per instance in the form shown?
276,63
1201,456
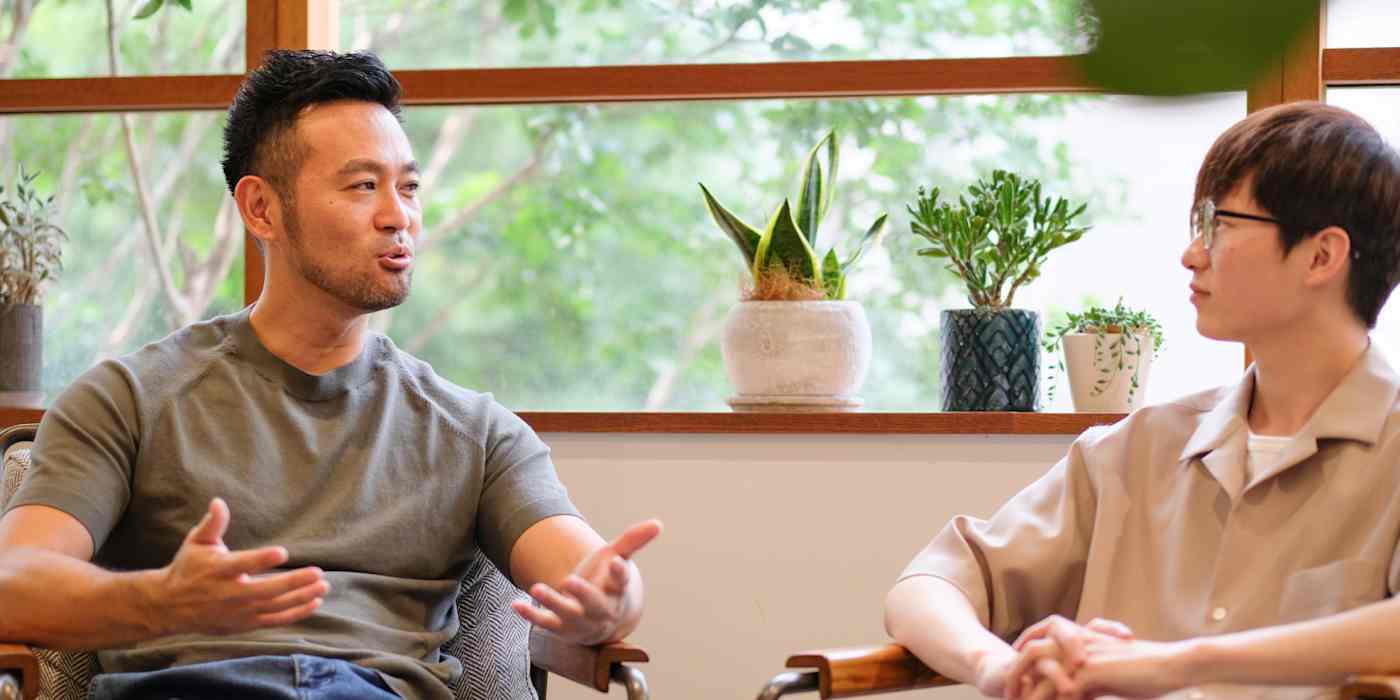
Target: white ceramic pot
1095,380
796,355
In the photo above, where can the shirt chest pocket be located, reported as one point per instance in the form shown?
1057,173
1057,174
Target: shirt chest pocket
1330,589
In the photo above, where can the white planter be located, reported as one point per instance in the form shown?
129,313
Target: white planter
1095,380
796,355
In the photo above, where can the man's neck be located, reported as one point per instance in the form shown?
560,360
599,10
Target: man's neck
1295,374
313,337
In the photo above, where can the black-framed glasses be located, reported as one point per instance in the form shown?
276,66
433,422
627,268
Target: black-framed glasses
1205,218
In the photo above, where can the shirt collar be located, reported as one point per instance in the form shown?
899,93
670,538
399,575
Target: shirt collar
1356,409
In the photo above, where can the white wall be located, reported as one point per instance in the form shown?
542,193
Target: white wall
779,543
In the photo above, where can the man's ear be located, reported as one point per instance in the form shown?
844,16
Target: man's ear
1330,251
261,208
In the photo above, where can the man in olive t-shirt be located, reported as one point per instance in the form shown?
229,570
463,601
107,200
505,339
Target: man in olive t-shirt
281,488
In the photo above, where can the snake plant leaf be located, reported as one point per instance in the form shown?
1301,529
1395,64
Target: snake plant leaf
833,279
815,191
783,245
872,236
743,235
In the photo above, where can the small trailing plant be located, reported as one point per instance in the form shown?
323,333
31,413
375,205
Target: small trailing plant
1125,324
997,236
782,258
30,243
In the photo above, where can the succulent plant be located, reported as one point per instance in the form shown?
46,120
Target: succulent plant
788,243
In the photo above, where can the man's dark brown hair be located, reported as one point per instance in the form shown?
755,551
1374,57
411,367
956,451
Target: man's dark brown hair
1312,166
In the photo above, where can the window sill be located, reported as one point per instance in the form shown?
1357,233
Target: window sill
990,423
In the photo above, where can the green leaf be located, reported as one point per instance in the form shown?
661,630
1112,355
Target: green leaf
814,191
743,235
187,4
783,245
832,278
151,7
872,234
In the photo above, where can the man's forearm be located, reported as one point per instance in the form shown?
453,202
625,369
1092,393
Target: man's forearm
1324,651
58,602
935,621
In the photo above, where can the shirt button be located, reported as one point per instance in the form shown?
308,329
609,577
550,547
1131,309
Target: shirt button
1196,694
1218,614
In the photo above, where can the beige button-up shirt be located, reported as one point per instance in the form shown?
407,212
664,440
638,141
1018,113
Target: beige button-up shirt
1150,522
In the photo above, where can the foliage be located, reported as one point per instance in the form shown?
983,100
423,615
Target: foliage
789,242
1126,326
1209,45
30,243
998,237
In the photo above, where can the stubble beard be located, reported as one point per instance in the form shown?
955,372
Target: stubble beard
357,291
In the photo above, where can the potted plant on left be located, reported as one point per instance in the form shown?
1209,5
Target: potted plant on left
794,343
30,254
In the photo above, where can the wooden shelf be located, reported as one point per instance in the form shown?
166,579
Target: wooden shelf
991,423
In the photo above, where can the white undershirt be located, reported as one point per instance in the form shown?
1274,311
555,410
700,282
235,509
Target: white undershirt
1264,452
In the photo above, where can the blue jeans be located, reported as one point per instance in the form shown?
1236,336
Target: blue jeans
295,677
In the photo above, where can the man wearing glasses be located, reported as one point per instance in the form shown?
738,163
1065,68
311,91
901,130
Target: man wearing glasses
1232,540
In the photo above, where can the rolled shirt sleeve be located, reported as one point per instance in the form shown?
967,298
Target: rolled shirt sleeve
1027,562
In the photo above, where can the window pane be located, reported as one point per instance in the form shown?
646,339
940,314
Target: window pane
485,33
1377,105
69,39
570,263
1362,23
109,299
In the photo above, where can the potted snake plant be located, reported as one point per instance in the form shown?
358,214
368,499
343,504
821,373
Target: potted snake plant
995,238
794,342
30,254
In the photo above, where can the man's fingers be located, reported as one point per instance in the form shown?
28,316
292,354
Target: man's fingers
635,537
252,561
1112,628
595,603
537,616
1043,690
273,585
558,603
287,617
211,529
1037,631
294,598
1051,669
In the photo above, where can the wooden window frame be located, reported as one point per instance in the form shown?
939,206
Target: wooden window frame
1302,74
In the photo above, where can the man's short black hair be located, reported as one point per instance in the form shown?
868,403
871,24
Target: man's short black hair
259,138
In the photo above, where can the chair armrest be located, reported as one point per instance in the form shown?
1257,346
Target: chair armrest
17,660
1371,687
848,672
586,665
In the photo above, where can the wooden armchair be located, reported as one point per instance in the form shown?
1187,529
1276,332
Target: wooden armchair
890,668
22,673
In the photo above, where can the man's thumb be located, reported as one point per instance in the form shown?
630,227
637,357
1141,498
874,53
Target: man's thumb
211,529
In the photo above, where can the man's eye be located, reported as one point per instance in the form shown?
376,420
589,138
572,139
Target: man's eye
367,185
411,187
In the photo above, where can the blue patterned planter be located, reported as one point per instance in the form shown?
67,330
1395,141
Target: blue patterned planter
991,360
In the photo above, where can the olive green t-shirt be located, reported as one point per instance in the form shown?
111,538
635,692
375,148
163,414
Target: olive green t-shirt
385,475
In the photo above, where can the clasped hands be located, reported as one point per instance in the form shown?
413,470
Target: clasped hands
1058,659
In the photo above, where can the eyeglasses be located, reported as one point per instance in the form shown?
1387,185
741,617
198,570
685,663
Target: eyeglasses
1205,218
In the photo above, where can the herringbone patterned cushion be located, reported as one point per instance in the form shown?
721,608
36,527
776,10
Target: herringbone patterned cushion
492,642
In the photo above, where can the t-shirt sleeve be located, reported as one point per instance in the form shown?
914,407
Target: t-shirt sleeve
82,458
520,488
1025,563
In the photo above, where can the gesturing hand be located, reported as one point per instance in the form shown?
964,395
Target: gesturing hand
594,604
208,589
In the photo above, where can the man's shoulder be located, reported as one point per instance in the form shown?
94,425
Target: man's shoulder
1155,429
165,365
473,412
